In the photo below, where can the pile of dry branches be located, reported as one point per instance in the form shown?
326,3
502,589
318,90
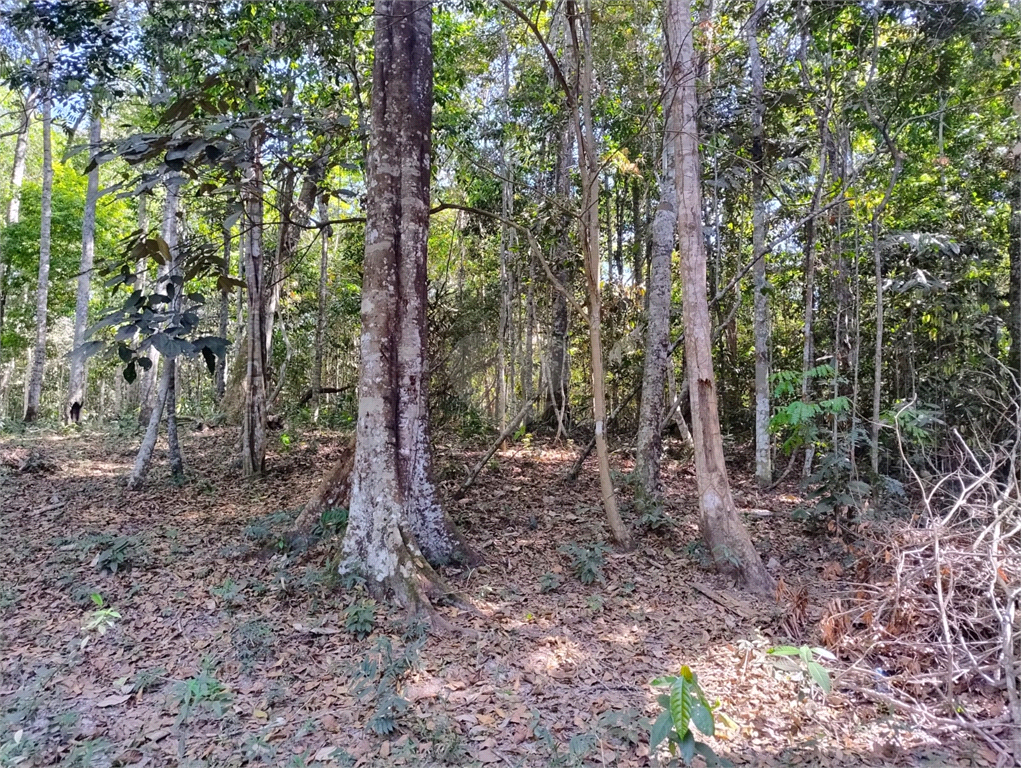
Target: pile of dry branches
934,620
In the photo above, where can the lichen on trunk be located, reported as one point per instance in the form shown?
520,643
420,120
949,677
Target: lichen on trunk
394,520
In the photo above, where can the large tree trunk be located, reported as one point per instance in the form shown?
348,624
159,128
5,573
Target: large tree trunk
35,382
253,418
763,454
13,213
76,390
728,540
588,160
657,339
394,517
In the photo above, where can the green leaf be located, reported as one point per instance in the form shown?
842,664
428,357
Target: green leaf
660,729
820,675
702,717
784,650
680,706
687,748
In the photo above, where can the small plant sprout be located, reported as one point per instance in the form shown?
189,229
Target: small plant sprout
684,705
587,561
549,582
102,618
807,656
360,618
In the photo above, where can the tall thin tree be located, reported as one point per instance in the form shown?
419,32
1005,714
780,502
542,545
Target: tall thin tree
728,540
35,381
76,388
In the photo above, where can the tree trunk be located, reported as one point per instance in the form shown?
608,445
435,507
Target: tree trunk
763,454
393,508
588,160
13,213
293,218
728,540
35,384
334,492
221,362
152,431
148,384
173,445
506,204
324,263
558,410
253,419
1014,300
657,340
76,390
166,396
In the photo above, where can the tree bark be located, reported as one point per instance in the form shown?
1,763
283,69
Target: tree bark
35,384
152,431
588,160
76,390
221,362
13,213
166,395
657,339
253,418
324,263
728,540
394,517
174,455
334,492
558,409
148,385
763,453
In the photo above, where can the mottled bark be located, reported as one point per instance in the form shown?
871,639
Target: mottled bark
166,396
763,452
657,338
253,417
13,213
394,517
76,389
35,381
144,456
333,492
727,538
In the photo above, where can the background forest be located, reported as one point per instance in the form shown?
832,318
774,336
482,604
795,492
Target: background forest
778,234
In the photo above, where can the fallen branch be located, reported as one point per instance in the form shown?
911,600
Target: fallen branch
507,432
310,392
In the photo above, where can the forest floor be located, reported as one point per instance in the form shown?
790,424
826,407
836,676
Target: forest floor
221,647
